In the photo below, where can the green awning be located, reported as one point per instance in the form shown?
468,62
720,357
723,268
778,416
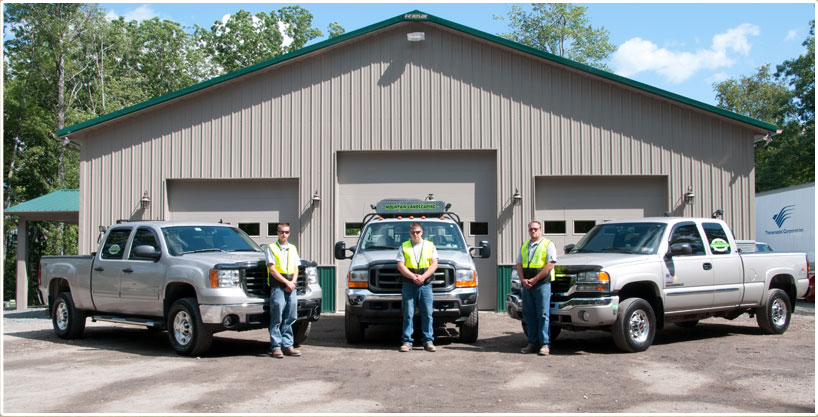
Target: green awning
60,205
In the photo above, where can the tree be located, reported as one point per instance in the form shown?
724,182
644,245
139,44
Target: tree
243,39
334,29
785,99
561,29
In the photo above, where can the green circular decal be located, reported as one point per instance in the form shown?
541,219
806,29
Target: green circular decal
719,245
114,249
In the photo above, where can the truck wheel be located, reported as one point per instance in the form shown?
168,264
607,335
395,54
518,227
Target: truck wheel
687,324
186,332
301,330
773,317
469,328
635,326
353,328
69,323
553,331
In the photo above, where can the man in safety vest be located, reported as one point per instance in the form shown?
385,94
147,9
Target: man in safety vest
535,267
417,262
282,267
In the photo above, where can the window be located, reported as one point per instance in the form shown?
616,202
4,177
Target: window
717,238
143,236
272,229
352,229
189,239
115,243
390,235
479,228
688,233
252,229
582,227
553,227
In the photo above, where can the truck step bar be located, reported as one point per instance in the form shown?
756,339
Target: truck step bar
135,321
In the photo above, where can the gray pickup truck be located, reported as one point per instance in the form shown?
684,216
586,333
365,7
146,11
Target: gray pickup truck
632,276
192,279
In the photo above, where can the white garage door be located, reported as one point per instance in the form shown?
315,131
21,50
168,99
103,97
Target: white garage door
569,207
464,179
256,206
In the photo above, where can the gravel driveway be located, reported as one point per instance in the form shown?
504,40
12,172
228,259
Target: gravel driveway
719,366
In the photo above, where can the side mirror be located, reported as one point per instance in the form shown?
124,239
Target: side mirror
147,252
483,250
341,250
680,249
569,247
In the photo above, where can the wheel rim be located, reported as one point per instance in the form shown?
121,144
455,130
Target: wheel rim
638,326
61,316
778,311
182,330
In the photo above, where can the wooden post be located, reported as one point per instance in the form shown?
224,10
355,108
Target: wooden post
22,273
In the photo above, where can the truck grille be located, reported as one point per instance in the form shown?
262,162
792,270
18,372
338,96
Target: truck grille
387,279
255,281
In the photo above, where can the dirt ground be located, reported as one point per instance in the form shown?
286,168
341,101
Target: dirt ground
719,366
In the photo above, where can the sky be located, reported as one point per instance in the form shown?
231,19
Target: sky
682,48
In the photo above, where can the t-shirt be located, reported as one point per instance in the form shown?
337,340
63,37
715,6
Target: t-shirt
417,249
532,246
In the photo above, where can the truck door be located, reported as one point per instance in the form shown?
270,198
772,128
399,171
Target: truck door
727,269
107,273
142,278
688,278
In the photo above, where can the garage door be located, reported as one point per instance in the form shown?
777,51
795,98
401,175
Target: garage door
569,207
464,179
256,206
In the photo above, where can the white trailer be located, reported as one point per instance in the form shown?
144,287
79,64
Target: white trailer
785,219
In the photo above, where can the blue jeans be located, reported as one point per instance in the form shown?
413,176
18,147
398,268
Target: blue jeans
536,305
422,295
283,313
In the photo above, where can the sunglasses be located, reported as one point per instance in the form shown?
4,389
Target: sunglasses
533,229
416,232
284,232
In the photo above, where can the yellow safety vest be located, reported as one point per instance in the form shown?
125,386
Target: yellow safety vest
538,261
425,255
292,259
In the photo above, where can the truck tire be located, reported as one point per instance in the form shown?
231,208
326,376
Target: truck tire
69,323
553,331
186,332
635,325
301,330
773,316
352,328
469,328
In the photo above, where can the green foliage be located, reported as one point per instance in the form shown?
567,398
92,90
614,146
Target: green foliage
561,29
786,99
334,29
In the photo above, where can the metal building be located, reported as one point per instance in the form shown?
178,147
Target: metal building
504,132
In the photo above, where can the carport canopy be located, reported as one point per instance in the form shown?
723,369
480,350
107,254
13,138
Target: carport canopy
61,206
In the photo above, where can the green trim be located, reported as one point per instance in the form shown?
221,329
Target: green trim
67,200
416,16
503,285
326,279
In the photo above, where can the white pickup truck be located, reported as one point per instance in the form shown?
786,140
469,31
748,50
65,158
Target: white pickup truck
193,279
633,276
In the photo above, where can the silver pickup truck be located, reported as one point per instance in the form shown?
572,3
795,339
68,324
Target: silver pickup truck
193,279
633,276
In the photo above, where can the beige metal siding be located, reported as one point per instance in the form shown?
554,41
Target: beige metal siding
380,92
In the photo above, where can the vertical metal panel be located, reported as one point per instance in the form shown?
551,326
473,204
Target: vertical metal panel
381,92
503,285
326,279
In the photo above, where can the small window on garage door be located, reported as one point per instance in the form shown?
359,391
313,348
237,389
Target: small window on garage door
582,227
272,229
478,228
252,229
553,227
352,229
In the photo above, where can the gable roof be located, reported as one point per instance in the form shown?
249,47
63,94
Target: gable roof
417,16
60,205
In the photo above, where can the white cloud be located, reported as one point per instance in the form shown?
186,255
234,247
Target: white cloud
717,77
139,14
637,55
791,34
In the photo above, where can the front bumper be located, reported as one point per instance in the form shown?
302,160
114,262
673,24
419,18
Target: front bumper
371,308
254,314
575,312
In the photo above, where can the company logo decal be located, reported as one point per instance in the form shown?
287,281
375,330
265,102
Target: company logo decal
782,215
719,245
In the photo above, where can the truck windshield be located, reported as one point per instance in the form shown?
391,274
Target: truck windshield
633,238
390,235
192,239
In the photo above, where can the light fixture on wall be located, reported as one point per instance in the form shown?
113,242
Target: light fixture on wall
316,199
430,197
416,36
517,198
689,197
145,201
717,214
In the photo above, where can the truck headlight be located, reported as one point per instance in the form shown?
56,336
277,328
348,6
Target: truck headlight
593,281
312,274
224,278
515,280
358,278
465,278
